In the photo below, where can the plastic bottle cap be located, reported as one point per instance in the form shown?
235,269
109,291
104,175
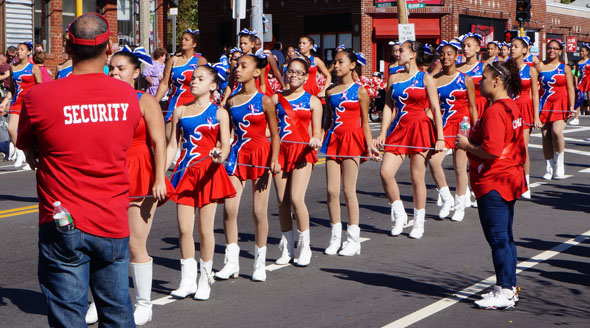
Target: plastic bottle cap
56,203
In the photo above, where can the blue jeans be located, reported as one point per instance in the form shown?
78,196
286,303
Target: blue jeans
496,216
70,262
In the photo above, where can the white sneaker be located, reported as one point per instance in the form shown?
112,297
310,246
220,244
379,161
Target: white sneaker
499,299
575,121
91,314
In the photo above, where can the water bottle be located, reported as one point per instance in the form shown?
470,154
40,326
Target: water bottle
464,127
62,218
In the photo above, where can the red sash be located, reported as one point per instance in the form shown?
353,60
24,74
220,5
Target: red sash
302,130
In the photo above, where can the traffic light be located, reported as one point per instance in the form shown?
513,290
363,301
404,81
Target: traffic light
509,35
523,11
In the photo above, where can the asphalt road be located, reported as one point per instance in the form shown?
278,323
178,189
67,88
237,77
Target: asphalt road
396,280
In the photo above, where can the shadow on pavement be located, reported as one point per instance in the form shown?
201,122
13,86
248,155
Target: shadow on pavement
27,301
19,198
576,195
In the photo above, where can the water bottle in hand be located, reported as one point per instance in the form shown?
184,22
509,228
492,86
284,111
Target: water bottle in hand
464,127
62,218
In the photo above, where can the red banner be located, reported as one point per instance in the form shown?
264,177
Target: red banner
571,43
426,2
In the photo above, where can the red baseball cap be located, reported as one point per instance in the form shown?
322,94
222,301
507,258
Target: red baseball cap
99,39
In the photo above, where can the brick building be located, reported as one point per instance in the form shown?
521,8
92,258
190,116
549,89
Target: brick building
368,25
43,21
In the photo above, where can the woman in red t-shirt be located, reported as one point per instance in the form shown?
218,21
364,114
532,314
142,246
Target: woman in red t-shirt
497,154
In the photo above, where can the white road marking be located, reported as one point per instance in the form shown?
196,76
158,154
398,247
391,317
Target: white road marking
272,267
569,139
585,170
486,283
15,171
565,131
571,151
536,184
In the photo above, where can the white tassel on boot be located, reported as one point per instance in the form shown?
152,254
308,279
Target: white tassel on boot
548,169
141,273
188,278
527,194
335,239
459,213
448,202
559,172
287,247
401,218
418,228
231,268
205,280
259,264
303,248
353,241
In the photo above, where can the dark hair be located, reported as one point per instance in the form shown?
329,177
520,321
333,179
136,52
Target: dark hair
252,38
260,62
11,49
87,27
133,60
278,45
524,45
39,57
351,55
416,47
304,61
494,43
212,72
558,43
194,36
509,74
26,45
309,38
159,52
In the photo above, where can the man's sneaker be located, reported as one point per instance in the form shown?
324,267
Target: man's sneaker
575,121
515,290
499,299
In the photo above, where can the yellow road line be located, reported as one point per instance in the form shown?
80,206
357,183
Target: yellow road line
19,209
19,213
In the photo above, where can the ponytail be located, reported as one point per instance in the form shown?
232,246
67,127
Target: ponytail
417,47
509,74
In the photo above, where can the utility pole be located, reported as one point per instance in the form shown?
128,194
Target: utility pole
402,12
79,10
256,18
144,24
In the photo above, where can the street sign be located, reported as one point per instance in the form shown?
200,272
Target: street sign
406,32
415,5
571,43
173,11
267,27
239,9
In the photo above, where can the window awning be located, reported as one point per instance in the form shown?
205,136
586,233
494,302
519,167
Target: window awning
386,28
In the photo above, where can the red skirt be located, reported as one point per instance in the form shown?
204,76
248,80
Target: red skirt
350,143
450,130
413,133
584,85
258,157
16,107
141,173
526,111
293,155
204,184
555,110
481,103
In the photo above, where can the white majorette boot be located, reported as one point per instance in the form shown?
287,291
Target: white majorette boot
231,269
447,200
460,208
304,256
548,169
259,264
205,280
188,278
287,247
20,158
91,314
418,228
527,194
141,273
335,239
401,218
439,201
353,241
559,172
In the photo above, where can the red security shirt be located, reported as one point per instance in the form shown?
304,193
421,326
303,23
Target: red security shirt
500,133
82,125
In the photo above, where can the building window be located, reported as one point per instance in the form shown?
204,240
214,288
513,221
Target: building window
327,43
41,20
69,10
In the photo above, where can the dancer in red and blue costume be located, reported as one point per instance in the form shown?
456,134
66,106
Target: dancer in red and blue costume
200,178
252,157
556,105
24,76
528,99
584,81
456,92
296,110
406,130
306,45
178,72
474,68
64,70
394,66
346,143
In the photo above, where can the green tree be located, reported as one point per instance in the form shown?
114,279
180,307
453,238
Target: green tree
187,18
